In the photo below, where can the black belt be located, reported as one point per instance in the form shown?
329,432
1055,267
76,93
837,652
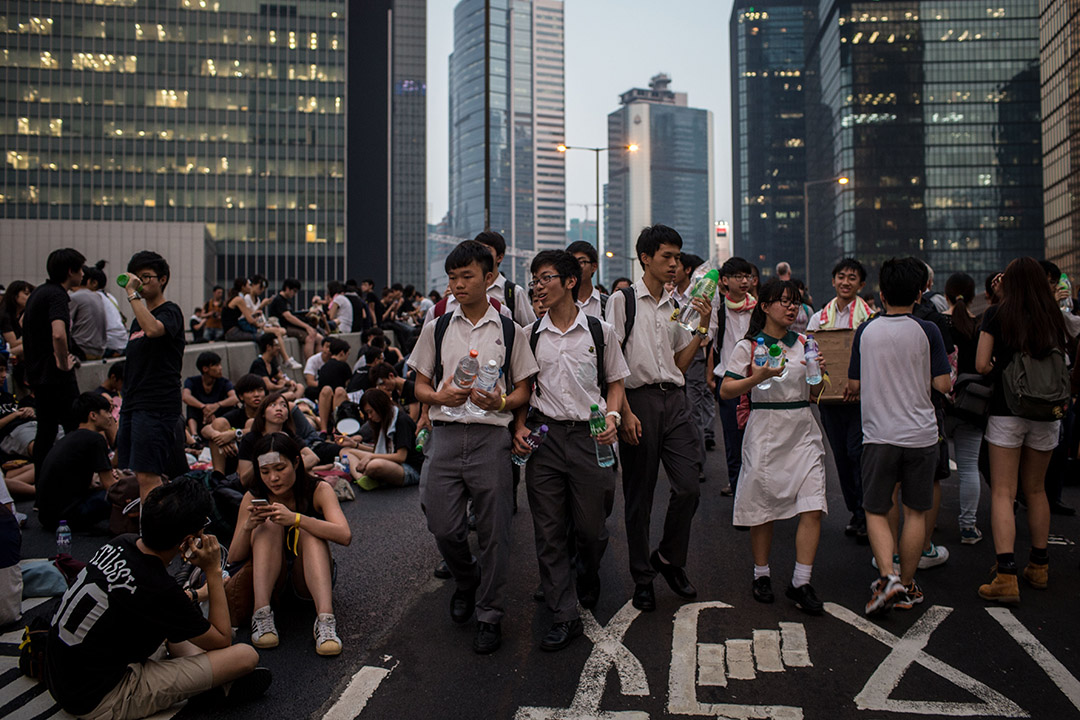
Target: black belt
545,420
662,386
441,423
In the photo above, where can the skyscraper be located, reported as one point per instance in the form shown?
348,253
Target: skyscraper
1060,22
221,112
506,121
932,110
667,179
768,131
387,189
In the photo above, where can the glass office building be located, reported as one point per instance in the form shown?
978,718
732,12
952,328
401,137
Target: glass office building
506,121
224,112
1060,32
768,132
932,109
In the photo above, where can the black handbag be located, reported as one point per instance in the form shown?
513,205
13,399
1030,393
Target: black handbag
971,403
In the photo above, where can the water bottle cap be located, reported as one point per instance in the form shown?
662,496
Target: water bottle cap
761,340
543,428
594,407
491,363
775,351
63,522
713,275
473,353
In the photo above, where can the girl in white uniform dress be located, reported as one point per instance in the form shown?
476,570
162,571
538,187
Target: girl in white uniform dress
783,470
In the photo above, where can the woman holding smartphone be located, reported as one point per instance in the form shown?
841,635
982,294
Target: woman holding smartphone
286,523
394,459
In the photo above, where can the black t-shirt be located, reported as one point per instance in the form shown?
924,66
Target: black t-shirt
218,392
258,367
376,305
152,369
405,437
67,472
278,307
334,373
47,302
1003,355
119,611
359,381
236,416
8,324
9,405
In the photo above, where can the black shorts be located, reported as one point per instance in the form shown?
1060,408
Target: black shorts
885,466
146,441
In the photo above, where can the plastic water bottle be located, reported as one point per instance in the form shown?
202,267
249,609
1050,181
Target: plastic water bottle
1066,304
813,370
123,279
690,318
345,464
464,377
486,380
63,538
605,454
776,357
536,437
761,359
421,439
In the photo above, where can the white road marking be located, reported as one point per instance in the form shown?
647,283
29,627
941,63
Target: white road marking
1057,672
909,649
740,660
38,705
608,650
793,641
15,688
357,693
12,638
711,665
31,603
8,662
767,651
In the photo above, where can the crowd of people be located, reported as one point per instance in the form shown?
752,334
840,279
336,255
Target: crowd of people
463,394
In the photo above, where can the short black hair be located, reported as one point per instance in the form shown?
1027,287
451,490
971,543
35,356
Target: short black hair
249,383
850,264
207,359
150,260
1053,272
216,288
85,282
618,280
736,266
290,284
397,287
334,287
690,262
380,372
901,280
372,354
565,265
258,280
493,240
466,253
116,370
366,335
585,248
87,403
63,261
172,512
652,237
266,340
337,345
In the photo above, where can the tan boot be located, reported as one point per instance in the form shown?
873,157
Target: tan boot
1002,588
1037,575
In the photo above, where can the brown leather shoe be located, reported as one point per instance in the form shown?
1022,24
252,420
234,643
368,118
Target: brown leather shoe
1002,588
1037,575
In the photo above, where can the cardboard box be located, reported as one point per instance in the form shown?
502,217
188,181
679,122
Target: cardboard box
835,346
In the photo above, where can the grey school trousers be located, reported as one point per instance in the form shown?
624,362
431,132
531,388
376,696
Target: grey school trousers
567,488
466,461
702,403
668,436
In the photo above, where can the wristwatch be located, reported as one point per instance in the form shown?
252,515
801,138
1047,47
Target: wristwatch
134,296
617,416
702,331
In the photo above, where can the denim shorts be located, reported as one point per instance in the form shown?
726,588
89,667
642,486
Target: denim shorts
145,441
412,475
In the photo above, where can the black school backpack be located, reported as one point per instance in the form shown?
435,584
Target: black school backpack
1037,389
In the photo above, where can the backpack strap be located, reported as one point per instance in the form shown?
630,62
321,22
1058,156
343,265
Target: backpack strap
440,332
534,337
509,291
721,327
631,311
509,331
597,332
603,304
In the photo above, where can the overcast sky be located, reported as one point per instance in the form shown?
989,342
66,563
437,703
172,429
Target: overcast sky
611,46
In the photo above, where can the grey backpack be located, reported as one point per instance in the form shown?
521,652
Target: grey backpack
1037,389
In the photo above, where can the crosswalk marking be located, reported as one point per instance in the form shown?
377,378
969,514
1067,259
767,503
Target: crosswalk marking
711,665
793,641
359,690
767,651
15,688
1064,679
740,660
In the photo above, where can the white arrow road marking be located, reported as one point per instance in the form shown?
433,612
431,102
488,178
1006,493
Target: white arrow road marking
793,639
1064,679
358,692
909,649
767,650
608,650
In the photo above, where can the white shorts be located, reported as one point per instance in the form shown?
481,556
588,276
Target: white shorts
18,440
1014,432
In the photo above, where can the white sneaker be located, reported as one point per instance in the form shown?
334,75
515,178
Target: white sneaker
936,555
263,631
327,641
295,365
885,593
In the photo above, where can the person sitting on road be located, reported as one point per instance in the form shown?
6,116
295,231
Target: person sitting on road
113,387
18,428
276,414
331,397
286,523
394,459
311,370
401,389
267,367
222,433
207,393
335,371
128,642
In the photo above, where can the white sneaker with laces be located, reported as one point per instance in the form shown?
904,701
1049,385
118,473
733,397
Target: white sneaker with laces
295,365
263,631
936,555
327,641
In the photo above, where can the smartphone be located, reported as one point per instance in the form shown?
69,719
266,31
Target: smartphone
259,503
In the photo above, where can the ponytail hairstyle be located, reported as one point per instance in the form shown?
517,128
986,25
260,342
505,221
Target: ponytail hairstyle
772,291
960,290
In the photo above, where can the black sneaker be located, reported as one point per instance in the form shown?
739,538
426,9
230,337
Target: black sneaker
805,599
762,589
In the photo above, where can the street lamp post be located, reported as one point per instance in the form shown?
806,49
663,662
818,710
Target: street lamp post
839,180
632,147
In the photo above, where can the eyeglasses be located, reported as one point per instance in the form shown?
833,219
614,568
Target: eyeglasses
584,262
543,280
786,302
741,277
147,278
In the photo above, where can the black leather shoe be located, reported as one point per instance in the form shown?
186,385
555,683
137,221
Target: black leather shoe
442,571
806,599
852,526
588,591
762,589
675,576
644,597
1059,508
538,594
462,604
488,638
561,634
710,444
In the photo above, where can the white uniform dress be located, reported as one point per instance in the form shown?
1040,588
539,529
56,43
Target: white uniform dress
783,457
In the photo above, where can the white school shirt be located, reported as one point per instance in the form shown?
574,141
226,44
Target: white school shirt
654,339
344,312
452,304
591,305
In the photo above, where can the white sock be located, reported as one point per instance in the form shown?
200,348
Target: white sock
761,571
801,576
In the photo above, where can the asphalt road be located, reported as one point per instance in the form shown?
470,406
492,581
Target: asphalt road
723,655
